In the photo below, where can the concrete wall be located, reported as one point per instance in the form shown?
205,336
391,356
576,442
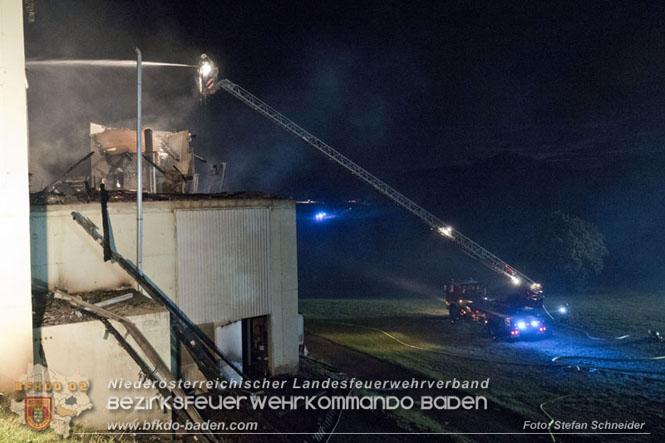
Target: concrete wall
63,255
15,298
84,349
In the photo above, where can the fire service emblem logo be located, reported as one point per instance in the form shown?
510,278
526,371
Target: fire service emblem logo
50,399
38,412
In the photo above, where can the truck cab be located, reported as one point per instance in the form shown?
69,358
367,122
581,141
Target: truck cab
460,295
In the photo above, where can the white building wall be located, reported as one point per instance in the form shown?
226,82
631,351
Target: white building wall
65,256
229,340
85,349
223,263
15,298
283,322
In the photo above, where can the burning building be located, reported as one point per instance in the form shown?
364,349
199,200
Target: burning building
227,261
225,265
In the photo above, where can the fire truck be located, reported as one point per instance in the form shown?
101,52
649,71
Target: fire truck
517,315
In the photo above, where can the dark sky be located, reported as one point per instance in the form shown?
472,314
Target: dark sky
403,88
446,81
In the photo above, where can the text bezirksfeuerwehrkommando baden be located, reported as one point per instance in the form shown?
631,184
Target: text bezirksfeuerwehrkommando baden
293,402
436,400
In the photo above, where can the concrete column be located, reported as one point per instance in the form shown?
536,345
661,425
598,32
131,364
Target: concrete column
15,298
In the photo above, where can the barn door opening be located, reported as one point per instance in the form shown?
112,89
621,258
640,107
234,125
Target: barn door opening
245,345
255,346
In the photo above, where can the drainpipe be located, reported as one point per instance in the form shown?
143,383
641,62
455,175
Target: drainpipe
139,167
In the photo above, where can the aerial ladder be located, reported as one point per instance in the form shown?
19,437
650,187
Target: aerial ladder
208,85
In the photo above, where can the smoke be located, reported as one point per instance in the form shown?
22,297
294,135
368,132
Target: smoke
73,79
63,100
323,95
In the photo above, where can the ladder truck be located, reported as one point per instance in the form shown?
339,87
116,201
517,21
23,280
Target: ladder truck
512,317
208,83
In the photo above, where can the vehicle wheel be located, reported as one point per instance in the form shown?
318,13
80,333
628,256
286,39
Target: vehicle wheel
453,312
492,331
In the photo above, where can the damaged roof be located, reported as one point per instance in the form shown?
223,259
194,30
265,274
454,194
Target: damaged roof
92,196
50,311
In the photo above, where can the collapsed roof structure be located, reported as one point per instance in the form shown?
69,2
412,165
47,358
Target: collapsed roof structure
169,166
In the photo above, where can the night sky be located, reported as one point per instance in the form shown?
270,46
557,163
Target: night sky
491,114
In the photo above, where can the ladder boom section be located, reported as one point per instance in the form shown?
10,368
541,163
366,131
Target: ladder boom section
467,245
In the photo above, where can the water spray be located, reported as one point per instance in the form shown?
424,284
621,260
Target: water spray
102,63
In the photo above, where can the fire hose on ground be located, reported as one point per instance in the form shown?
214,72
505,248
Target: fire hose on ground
557,361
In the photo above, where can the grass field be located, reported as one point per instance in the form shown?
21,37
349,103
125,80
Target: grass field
415,333
11,431
614,313
598,312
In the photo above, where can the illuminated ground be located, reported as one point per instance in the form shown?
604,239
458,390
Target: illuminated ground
425,341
